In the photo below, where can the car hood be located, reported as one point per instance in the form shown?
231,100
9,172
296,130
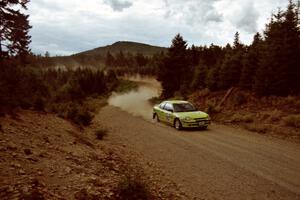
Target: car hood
194,114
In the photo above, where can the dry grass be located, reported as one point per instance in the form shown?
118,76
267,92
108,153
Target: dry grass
292,121
271,116
259,128
247,118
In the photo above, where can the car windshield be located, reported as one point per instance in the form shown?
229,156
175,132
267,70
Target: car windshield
183,107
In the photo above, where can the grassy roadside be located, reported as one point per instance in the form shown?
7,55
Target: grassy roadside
276,116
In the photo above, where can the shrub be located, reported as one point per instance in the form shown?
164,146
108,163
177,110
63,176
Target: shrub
83,117
101,133
239,99
39,104
133,187
292,121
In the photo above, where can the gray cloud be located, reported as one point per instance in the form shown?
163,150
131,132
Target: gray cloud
70,26
118,5
192,12
247,18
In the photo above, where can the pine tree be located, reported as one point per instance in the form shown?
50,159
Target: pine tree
279,72
251,63
174,69
231,68
14,38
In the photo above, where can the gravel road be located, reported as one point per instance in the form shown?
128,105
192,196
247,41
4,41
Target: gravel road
219,163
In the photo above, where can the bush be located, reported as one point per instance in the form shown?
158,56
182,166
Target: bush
39,104
239,99
101,133
292,121
133,187
82,117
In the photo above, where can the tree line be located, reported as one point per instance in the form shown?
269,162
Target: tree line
268,66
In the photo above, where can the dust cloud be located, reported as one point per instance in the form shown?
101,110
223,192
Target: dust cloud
136,102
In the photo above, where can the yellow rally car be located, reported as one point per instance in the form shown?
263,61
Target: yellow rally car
180,114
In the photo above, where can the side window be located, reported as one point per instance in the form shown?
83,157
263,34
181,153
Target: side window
162,105
168,107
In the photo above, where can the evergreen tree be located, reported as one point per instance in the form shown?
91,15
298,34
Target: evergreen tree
14,38
279,72
231,68
251,63
173,71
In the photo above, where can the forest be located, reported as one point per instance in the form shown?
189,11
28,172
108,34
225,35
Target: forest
269,66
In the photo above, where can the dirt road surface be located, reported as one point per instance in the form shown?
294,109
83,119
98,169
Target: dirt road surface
219,163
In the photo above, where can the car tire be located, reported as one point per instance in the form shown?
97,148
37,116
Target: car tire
203,128
155,117
177,124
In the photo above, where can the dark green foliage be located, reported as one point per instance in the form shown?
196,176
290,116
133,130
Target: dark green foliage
175,68
62,92
199,77
279,73
269,66
232,65
20,86
14,28
39,104
251,63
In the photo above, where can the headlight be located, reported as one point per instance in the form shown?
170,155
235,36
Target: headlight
187,119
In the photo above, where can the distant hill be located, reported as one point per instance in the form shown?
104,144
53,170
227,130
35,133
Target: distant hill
125,46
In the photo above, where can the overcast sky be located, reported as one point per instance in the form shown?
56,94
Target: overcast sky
64,27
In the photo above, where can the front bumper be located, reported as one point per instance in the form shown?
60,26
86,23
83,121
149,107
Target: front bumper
195,124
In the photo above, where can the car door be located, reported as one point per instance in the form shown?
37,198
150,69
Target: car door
168,113
160,111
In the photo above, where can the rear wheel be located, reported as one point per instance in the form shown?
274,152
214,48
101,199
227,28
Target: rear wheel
177,124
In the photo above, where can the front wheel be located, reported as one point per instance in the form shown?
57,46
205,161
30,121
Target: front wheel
177,124
155,117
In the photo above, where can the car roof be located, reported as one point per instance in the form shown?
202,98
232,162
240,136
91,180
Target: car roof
175,101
